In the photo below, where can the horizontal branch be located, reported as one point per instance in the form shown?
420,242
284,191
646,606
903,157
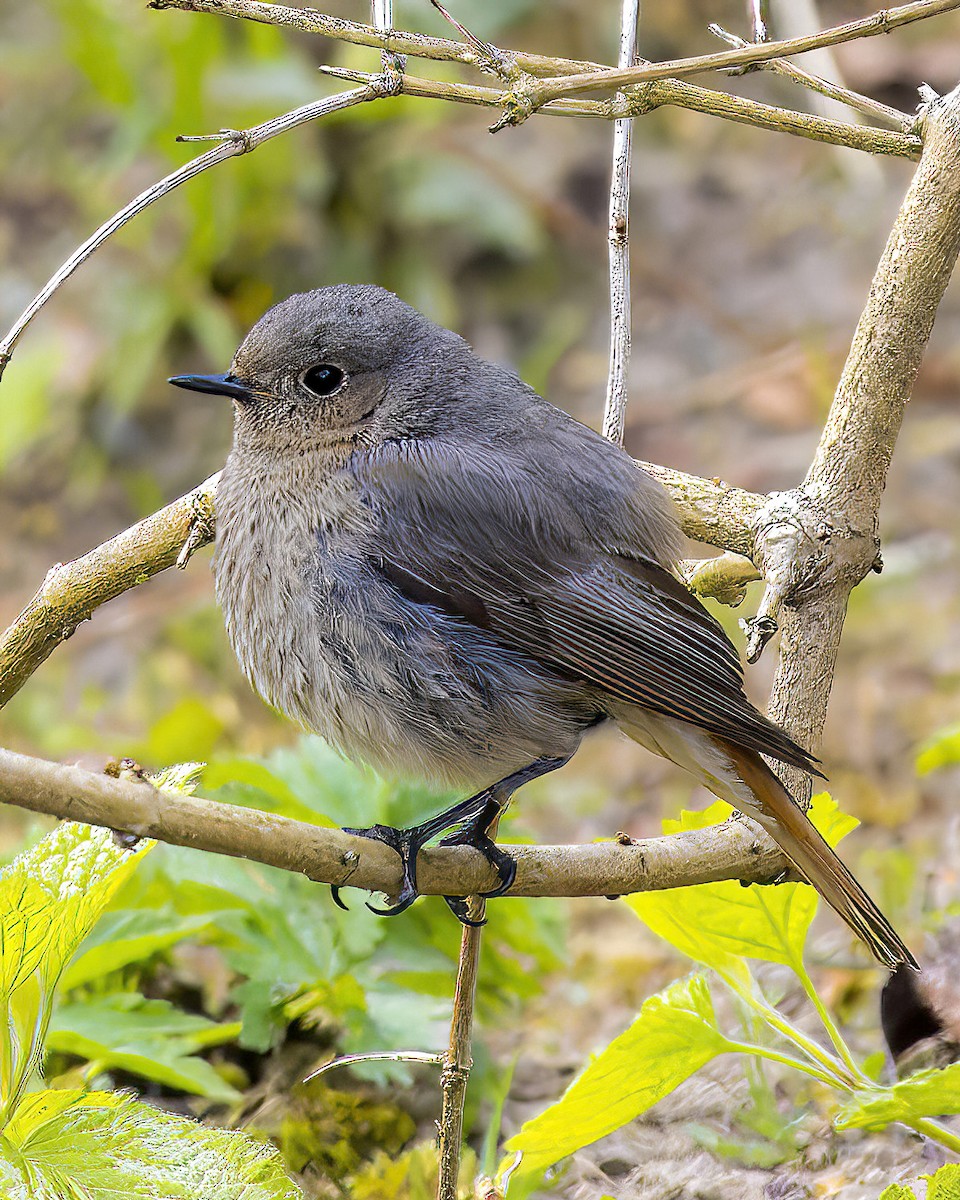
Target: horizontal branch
724,60
735,850
725,105
710,510
72,591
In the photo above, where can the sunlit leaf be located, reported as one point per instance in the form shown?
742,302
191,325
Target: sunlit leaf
719,923
942,750
74,1145
674,1035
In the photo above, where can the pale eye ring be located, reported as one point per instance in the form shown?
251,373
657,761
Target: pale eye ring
323,379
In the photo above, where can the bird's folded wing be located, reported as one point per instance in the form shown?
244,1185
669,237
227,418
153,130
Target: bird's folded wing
481,542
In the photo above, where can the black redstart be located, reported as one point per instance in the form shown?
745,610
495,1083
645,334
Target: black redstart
446,576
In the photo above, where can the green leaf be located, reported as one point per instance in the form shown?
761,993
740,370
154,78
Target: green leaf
50,898
935,1092
75,1145
149,1038
898,1191
942,750
128,936
717,924
673,1036
945,1183
254,784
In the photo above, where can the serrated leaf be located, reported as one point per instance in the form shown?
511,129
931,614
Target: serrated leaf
149,1038
944,1184
898,1191
51,896
935,1092
673,1036
103,1146
717,924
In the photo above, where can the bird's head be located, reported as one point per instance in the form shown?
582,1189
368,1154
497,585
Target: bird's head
327,367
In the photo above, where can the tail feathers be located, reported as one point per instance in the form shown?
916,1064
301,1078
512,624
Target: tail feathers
787,824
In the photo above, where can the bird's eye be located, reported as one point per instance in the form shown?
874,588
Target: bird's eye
323,379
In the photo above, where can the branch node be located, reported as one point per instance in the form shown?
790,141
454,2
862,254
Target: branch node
201,528
489,58
241,138
519,103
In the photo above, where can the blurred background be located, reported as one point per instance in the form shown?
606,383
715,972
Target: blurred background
752,254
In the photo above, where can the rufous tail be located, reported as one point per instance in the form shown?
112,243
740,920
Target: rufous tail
781,817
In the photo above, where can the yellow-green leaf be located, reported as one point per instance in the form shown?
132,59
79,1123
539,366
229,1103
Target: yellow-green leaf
718,924
673,1036
70,1144
935,1092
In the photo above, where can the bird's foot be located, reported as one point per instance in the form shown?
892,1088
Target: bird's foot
468,815
407,844
471,819
475,833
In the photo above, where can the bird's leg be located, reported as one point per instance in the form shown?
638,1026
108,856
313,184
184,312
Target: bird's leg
473,818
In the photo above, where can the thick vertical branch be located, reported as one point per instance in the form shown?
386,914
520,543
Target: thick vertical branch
615,409
834,515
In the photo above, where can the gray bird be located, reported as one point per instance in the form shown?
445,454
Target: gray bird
446,576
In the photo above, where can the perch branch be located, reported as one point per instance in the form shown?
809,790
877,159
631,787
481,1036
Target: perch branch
326,855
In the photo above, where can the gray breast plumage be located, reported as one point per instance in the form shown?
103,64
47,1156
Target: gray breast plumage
325,638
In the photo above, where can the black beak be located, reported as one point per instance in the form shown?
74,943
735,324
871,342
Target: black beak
219,385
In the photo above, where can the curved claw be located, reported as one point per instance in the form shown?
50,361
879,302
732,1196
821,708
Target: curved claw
404,900
460,909
335,894
506,869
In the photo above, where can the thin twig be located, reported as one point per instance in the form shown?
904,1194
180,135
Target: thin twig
233,142
328,855
352,1060
618,237
458,1060
671,92
667,91
825,87
615,80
